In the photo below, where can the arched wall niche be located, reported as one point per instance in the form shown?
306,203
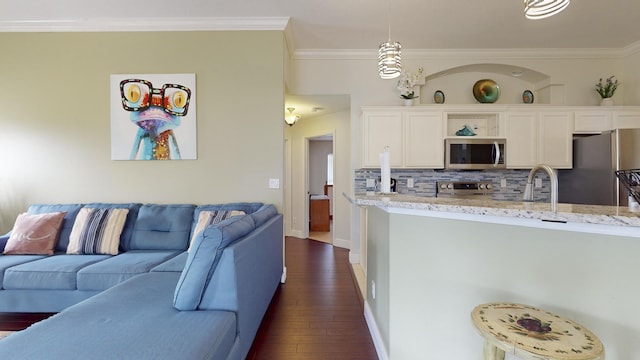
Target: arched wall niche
457,84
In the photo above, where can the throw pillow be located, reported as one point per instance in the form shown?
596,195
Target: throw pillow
97,231
207,218
34,234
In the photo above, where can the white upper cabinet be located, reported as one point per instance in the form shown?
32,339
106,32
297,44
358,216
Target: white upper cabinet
382,129
592,122
414,138
522,139
535,134
555,144
424,145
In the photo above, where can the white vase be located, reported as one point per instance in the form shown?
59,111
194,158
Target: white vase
408,102
606,102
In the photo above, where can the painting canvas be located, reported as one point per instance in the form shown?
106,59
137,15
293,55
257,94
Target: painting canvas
153,117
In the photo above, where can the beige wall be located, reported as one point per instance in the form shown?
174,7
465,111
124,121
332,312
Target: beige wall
431,272
54,113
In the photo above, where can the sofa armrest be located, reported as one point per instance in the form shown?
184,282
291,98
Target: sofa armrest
247,277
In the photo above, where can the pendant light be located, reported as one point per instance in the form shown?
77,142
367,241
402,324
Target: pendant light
291,118
540,9
389,57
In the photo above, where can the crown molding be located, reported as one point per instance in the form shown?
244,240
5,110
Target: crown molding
632,49
146,24
367,54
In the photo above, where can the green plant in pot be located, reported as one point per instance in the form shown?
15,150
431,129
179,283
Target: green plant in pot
606,89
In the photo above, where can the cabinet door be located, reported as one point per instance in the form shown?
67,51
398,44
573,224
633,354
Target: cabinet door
627,119
424,144
381,129
555,147
587,122
522,139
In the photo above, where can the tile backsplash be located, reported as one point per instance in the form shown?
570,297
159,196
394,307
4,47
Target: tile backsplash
424,181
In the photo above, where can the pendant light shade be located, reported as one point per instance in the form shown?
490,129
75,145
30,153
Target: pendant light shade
291,118
389,60
540,9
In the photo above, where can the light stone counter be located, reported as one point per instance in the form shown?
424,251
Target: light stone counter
569,213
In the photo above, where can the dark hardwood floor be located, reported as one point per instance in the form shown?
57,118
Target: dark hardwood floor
316,314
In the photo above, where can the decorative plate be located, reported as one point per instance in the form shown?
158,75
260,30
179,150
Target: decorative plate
438,97
486,91
527,97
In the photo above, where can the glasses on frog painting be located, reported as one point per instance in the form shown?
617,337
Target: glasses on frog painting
139,95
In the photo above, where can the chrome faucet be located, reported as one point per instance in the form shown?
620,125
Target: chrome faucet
553,177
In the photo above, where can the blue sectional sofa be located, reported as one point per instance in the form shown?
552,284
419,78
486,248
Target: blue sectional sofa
169,293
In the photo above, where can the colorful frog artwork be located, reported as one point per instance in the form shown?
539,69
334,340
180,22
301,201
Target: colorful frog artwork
156,112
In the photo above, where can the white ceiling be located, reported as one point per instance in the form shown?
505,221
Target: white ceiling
348,25
362,24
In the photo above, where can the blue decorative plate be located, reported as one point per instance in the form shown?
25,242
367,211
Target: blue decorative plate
527,97
438,97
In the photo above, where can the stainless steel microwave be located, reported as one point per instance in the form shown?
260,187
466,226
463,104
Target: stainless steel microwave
475,153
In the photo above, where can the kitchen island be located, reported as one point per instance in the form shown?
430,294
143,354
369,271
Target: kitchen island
433,260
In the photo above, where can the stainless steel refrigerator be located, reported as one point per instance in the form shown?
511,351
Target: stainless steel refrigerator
595,159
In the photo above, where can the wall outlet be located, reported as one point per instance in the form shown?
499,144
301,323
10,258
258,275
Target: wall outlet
371,183
409,182
503,183
538,182
373,289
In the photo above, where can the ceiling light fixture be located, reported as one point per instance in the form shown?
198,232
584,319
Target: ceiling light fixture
540,9
389,56
291,118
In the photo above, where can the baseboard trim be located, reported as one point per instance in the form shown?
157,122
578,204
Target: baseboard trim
297,233
342,243
354,258
375,333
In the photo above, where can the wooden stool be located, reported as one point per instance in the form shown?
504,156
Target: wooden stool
533,334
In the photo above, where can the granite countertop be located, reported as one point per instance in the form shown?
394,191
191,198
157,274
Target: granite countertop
589,214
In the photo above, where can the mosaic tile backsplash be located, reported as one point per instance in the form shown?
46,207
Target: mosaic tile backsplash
425,181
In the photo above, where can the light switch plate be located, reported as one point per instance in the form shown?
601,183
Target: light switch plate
409,182
371,183
503,183
538,183
274,183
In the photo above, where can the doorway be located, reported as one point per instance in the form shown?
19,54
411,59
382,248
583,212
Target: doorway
320,172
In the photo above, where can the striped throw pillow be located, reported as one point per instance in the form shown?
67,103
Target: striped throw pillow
97,231
207,218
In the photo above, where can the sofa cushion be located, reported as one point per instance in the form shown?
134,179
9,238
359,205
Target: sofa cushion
263,214
67,223
162,227
210,217
97,231
54,272
203,257
110,272
175,264
132,320
35,234
247,207
127,231
10,261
